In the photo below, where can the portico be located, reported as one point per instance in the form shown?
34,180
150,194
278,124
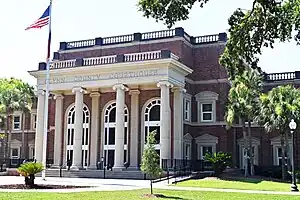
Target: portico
102,108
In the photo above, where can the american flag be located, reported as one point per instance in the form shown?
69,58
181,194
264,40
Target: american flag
42,21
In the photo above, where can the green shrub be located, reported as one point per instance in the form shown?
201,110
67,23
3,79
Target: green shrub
219,161
28,170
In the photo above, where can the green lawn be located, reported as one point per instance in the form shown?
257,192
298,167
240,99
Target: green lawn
242,184
137,194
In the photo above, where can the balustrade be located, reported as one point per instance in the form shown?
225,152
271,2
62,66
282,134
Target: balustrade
99,60
206,39
177,32
158,34
280,76
142,56
80,44
63,64
117,39
132,57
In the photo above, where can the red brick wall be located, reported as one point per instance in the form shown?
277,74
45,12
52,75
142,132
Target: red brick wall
203,59
206,63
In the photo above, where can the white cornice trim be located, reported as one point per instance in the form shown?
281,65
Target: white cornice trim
219,123
103,68
205,82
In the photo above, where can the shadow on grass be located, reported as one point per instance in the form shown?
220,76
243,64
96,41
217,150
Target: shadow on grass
242,179
161,196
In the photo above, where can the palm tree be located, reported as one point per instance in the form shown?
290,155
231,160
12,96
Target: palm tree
243,101
27,97
14,95
277,108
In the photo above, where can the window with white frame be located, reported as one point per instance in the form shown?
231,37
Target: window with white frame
15,149
279,156
206,102
31,149
17,122
33,121
205,149
206,144
187,109
277,151
243,153
187,146
15,153
206,112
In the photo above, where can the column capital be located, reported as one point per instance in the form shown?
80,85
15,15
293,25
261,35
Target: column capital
58,96
120,86
41,92
134,92
166,83
95,94
79,89
179,89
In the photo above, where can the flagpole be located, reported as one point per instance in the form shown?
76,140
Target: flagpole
44,155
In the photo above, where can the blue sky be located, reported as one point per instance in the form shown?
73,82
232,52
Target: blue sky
22,50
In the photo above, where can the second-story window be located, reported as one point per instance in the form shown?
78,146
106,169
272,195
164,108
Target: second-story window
187,110
33,121
206,102
207,112
17,122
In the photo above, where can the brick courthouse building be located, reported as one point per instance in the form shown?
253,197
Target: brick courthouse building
108,93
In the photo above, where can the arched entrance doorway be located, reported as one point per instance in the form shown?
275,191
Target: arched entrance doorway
110,131
85,135
152,121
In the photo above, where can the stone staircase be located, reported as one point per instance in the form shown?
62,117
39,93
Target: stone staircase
125,174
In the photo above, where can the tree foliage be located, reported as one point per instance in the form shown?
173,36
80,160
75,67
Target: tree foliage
28,170
262,25
219,160
168,11
243,97
243,104
278,107
150,159
14,95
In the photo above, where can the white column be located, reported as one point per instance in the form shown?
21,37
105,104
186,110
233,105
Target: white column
178,122
94,129
134,123
119,134
165,120
58,129
39,133
77,147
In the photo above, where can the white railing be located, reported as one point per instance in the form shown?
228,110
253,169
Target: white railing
158,34
118,39
130,57
81,43
99,60
152,55
63,64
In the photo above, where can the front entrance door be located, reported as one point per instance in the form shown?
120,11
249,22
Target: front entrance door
110,132
85,136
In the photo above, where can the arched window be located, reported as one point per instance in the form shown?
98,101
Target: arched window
152,121
110,131
85,134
